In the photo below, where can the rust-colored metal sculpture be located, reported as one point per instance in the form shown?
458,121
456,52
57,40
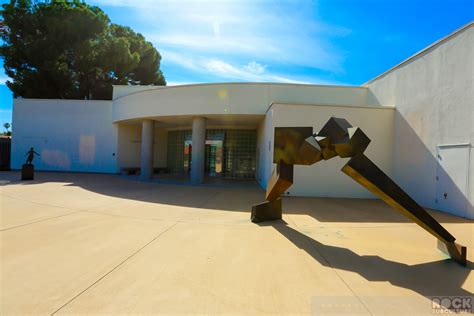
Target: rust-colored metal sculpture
299,146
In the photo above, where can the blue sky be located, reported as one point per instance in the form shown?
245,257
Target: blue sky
343,42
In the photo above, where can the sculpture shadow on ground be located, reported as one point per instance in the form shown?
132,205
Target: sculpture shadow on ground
431,279
335,210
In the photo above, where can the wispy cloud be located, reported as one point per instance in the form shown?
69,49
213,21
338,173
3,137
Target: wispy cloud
3,78
239,40
218,68
255,68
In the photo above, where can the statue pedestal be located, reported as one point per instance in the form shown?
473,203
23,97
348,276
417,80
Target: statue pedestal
266,211
27,172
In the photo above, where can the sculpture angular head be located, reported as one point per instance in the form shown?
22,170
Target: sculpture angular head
299,146
287,144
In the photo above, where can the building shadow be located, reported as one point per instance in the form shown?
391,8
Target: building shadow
236,196
431,279
214,196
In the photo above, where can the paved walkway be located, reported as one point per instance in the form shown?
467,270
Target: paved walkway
102,244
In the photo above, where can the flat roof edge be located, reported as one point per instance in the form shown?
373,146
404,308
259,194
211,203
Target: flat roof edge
422,52
384,107
249,83
152,88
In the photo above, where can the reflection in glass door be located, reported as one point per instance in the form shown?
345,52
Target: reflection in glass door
188,149
213,157
213,165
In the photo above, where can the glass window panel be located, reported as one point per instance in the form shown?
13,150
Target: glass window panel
231,152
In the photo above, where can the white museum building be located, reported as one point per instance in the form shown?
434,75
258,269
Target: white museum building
419,116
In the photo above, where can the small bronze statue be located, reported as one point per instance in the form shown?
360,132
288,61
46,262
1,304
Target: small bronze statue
28,169
300,146
31,155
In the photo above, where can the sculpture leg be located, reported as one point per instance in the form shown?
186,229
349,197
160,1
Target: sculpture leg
280,181
266,211
365,172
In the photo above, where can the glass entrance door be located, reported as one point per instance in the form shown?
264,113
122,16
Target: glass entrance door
229,153
213,158
213,165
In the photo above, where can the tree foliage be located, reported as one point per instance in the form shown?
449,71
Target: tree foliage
70,50
7,126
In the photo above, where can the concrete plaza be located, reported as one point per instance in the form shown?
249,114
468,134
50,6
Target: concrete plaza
104,244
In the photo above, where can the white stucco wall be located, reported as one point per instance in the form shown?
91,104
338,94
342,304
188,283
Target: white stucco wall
70,135
325,179
434,99
226,98
129,142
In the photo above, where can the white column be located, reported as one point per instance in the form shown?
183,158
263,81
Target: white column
146,163
198,151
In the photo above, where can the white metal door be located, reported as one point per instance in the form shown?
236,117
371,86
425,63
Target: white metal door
452,178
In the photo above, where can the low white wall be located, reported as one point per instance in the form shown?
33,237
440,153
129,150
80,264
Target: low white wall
433,94
225,99
70,135
325,179
129,142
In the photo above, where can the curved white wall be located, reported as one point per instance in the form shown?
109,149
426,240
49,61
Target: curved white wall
228,98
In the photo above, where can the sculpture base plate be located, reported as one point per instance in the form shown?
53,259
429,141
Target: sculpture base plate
27,172
457,252
266,211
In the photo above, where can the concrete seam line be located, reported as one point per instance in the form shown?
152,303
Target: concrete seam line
330,265
163,189
132,217
61,207
113,269
208,199
72,211
39,203
39,221
153,219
